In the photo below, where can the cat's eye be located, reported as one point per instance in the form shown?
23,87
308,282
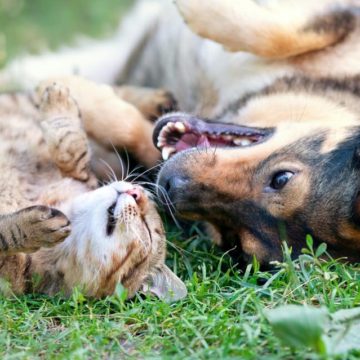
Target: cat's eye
280,179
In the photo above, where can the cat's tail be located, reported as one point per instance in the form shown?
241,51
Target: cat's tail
98,60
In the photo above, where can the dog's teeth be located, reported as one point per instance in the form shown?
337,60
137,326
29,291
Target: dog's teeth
160,143
163,133
242,142
167,151
227,137
180,127
167,128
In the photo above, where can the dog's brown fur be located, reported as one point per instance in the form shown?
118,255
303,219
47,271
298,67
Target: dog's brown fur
300,78
315,124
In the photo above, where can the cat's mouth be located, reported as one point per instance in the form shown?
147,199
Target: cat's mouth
129,205
178,132
111,219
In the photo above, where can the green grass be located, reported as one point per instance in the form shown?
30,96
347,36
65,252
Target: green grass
221,318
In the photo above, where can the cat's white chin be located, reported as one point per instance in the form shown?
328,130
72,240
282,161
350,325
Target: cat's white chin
98,254
104,223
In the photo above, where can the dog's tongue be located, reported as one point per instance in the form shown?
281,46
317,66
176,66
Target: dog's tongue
192,140
178,132
203,141
188,141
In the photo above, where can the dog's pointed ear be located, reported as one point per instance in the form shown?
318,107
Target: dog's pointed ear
165,285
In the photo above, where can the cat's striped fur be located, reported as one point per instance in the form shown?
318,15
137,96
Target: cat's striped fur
55,225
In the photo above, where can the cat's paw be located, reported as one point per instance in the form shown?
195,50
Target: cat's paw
66,139
42,226
57,100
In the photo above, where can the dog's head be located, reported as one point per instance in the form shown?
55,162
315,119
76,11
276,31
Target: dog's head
295,171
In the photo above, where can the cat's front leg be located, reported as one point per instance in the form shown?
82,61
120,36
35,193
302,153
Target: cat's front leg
31,228
63,131
109,120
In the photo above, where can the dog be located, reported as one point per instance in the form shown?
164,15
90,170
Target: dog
267,149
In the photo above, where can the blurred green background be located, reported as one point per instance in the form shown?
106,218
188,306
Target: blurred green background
30,26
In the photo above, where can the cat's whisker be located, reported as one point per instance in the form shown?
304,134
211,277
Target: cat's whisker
160,188
167,203
127,164
127,222
170,206
147,171
132,173
121,162
112,172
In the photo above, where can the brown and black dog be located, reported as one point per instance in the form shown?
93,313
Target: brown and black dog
278,82
282,161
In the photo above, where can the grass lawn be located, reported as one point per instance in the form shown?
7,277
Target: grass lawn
223,315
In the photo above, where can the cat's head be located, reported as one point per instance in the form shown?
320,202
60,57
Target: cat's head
118,237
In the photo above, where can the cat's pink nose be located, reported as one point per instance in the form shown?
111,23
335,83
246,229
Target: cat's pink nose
135,193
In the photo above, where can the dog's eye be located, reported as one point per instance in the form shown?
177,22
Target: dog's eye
280,179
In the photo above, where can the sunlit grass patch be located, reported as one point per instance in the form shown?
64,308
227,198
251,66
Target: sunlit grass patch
223,315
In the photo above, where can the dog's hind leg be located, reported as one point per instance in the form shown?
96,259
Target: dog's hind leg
280,30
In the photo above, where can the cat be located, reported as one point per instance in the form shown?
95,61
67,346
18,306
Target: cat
58,229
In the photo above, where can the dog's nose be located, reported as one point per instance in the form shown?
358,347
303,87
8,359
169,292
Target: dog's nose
174,183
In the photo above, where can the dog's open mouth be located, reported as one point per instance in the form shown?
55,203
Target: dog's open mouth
178,132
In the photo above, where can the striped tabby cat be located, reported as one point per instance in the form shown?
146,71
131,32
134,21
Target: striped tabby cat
57,229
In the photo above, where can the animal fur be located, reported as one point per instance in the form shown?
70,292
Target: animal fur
58,230
287,68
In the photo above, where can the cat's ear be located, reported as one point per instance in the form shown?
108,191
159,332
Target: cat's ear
165,285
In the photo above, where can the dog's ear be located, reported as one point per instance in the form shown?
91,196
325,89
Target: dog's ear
165,285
